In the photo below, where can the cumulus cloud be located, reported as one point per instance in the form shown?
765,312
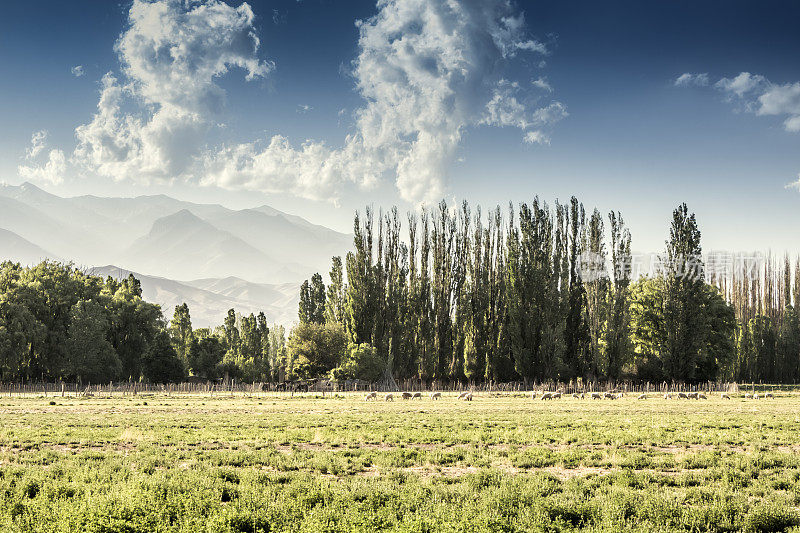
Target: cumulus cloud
51,171
687,80
38,143
427,70
77,71
152,124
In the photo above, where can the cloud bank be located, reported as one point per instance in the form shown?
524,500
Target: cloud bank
426,70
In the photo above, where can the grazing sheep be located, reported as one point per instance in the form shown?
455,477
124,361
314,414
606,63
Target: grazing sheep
466,396
436,396
748,396
556,395
597,396
694,395
755,396
389,397
642,397
683,395
701,396
461,396
547,396
576,395
610,396
667,396
407,395
725,396
371,396
769,395
533,395
417,395
583,396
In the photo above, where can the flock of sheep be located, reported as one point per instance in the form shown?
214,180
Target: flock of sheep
389,397
544,395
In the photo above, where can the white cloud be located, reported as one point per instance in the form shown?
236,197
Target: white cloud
543,84
688,79
537,137
304,108
38,143
427,70
153,124
77,71
756,94
741,85
52,171
782,100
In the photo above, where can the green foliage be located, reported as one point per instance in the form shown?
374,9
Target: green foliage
161,363
316,349
57,322
90,356
360,361
205,357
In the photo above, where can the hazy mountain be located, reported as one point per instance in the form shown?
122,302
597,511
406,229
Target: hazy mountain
184,246
284,295
61,237
208,307
285,239
157,235
15,248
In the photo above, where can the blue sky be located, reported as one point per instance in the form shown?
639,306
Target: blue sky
606,120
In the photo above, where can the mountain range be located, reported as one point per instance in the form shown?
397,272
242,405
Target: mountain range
210,256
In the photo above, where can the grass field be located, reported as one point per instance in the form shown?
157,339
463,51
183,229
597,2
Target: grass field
159,463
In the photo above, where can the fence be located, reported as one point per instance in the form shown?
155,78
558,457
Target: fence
324,387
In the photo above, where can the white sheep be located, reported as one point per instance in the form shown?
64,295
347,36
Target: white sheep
556,395
748,396
610,395
725,396
371,396
683,395
694,395
701,396
417,395
597,396
467,397
533,395
769,395
667,396
436,396
407,395
461,396
576,395
389,397
547,396
755,396
642,397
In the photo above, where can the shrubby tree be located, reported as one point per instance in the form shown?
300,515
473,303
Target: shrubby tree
316,348
90,356
161,363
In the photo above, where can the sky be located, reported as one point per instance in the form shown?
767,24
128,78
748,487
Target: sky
318,107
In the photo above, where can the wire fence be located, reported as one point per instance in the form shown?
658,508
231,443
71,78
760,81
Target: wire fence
233,388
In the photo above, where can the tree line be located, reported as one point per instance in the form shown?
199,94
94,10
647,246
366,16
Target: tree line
448,294
59,323
539,293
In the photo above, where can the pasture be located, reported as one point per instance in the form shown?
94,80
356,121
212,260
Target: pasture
498,463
